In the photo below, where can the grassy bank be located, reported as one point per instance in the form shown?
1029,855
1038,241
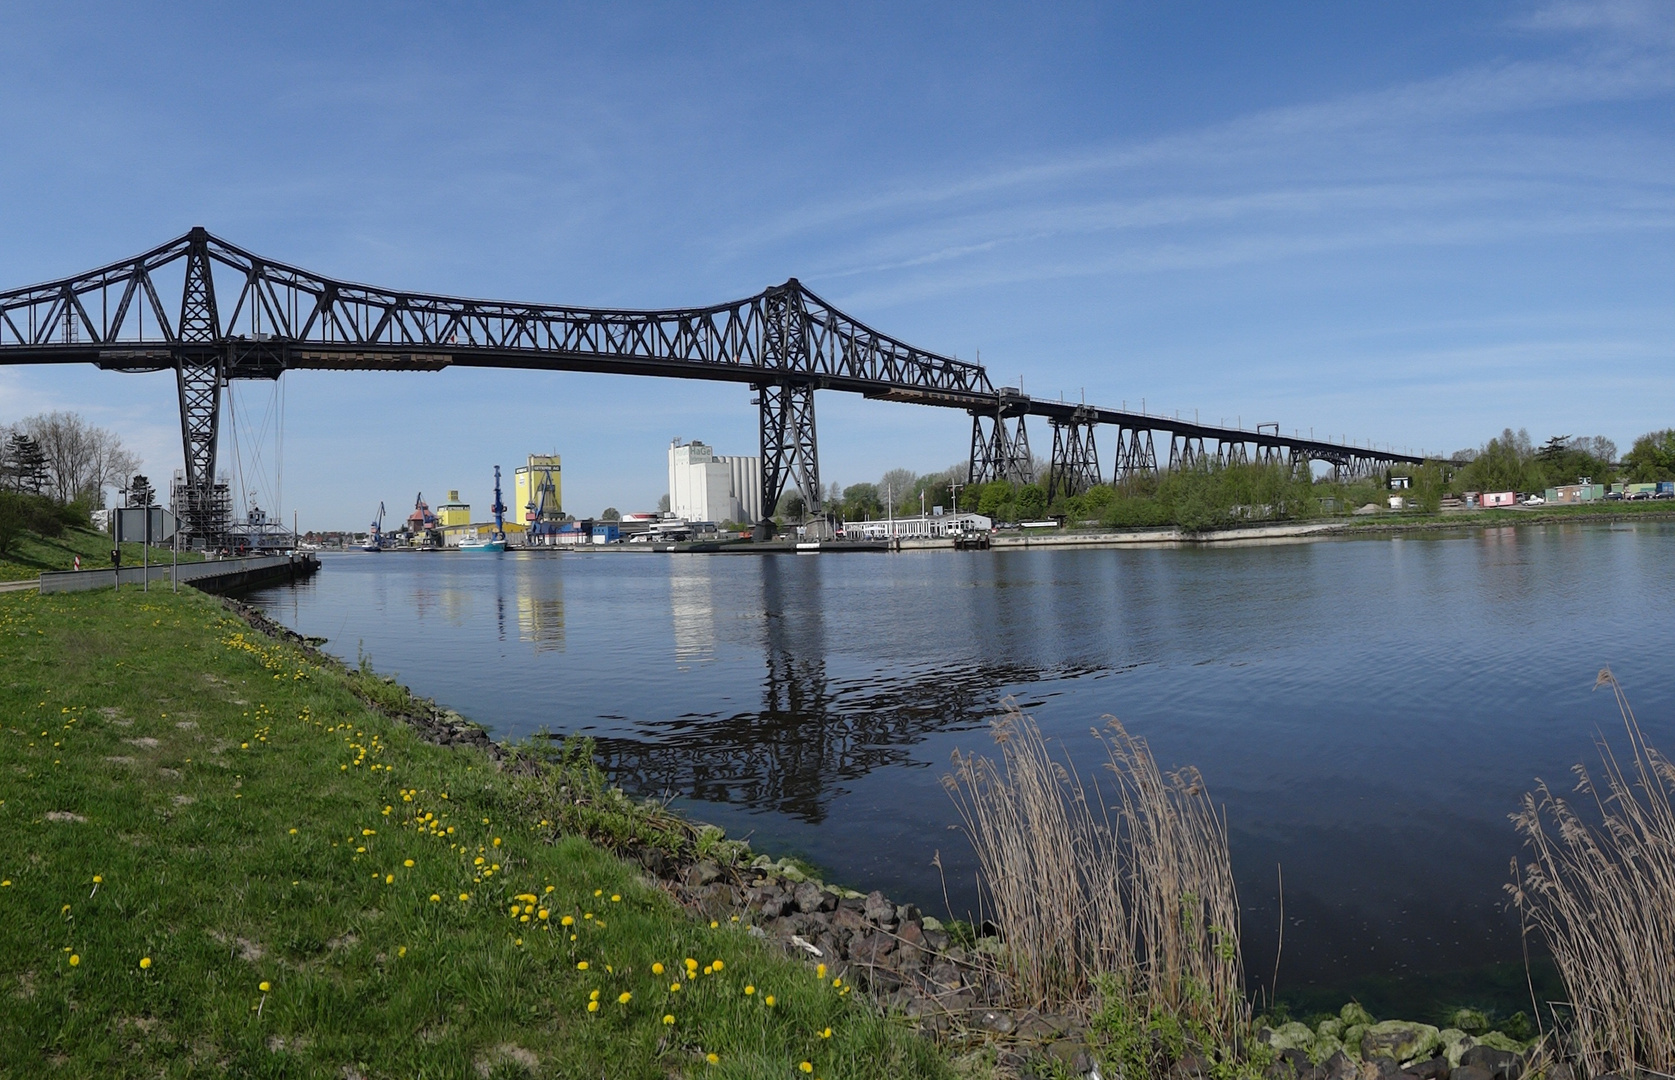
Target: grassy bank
30,553
215,859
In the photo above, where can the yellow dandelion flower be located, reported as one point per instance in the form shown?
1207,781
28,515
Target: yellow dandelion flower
657,969
401,951
389,879
820,972
624,998
542,914
516,909
465,896
749,990
616,898
407,863
674,988
598,892
293,832
497,841
568,920
74,959
593,1006
593,995
708,969
97,879
434,897
807,1066
714,925
145,962
826,1034
837,982
668,1018
768,1001
717,965
549,888
713,1059
264,986
581,965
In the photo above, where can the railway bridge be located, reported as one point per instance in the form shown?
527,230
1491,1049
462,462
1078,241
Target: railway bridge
211,312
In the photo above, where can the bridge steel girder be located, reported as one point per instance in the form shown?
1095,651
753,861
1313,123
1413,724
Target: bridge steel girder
284,318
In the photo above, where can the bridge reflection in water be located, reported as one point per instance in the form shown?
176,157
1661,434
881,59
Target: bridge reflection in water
813,733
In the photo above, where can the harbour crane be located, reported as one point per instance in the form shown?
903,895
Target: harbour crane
375,535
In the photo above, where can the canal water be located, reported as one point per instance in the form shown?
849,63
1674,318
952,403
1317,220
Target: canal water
1369,711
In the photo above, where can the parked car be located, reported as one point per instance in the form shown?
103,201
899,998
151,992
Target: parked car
1534,500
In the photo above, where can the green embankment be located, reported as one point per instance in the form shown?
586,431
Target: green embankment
215,860
30,553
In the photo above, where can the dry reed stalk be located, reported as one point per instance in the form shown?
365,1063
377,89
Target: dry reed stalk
1138,890
1604,901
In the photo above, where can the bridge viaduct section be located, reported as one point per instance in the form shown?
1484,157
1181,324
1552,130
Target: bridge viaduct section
241,316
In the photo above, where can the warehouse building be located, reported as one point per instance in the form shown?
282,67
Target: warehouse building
705,486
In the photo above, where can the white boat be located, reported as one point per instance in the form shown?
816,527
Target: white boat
485,544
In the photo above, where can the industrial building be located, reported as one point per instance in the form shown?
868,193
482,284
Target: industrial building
453,512
705,486
538,494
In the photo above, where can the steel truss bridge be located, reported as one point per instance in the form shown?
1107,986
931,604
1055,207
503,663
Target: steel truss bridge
211,312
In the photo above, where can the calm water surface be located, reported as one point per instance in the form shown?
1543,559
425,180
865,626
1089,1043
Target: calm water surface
1368,710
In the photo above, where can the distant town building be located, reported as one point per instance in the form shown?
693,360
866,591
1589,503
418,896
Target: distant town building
705,486
421,519
453,512
538,491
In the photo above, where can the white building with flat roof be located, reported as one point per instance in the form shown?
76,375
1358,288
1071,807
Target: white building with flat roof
705,486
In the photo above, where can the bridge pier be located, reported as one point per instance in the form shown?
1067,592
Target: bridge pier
1135,456
1075,463
199,375
786,411
999,450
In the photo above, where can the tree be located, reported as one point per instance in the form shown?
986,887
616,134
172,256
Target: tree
611,514
791,506
1652,458
896,484
663,504
860,501
140,491
81,460
25,464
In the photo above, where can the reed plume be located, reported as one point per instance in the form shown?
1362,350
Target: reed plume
1602,897
1125,884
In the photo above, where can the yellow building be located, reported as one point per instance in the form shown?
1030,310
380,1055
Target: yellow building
453,512
543,475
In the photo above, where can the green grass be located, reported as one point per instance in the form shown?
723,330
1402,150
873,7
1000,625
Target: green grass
182,789
31,553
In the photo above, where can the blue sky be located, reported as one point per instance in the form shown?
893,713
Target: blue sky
1415,223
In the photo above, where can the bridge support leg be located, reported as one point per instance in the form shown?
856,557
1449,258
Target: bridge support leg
1075,463
199,373
788,445
1135,456
999,451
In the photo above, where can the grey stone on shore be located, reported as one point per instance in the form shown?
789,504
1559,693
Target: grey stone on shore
1500,1064
1399,1040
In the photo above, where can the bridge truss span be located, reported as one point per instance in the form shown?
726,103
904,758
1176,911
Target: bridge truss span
212,312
